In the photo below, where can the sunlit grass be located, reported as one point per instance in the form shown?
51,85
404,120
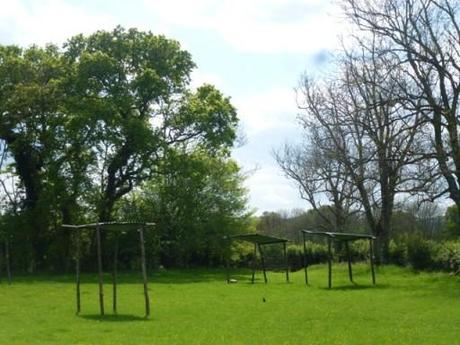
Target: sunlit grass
198,307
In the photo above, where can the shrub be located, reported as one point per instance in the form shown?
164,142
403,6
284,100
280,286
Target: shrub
420,253
316,253
397,253
359,250
448,256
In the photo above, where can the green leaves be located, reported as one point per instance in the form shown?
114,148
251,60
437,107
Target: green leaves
89,123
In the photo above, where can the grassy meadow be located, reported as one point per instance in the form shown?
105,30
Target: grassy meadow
198,307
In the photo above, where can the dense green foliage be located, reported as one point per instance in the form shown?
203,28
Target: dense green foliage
85,127
198,307
195,203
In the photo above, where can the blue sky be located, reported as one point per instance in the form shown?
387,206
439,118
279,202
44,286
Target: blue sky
253,50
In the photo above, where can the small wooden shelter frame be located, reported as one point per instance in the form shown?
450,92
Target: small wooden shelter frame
338,237
5,258
110,226
259,241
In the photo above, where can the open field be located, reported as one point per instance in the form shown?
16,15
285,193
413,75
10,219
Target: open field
198,307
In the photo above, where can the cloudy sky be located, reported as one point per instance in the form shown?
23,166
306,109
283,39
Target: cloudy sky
254,50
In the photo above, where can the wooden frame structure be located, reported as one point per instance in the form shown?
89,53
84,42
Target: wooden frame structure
114,226
338,237
5,257
258,241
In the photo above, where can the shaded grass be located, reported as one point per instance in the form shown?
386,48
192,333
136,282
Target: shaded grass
198,307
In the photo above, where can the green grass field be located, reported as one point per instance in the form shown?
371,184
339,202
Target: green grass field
198,307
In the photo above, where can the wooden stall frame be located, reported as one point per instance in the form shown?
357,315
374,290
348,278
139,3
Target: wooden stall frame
338,237
259,241
140,227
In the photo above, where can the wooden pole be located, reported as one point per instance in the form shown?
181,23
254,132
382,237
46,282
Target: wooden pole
305,263
371,253
99,266
77,270
144,272
350,272
286,260
8,261
227,259
254,263
114,275
262,259
1,261
329,261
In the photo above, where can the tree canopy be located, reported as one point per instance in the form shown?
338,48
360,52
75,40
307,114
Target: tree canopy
85,124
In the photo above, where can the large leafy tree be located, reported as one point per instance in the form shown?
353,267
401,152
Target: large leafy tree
132,87
31,95
84,125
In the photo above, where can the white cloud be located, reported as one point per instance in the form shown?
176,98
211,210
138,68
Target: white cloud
269,191
41,22
267,110
263,26
199,78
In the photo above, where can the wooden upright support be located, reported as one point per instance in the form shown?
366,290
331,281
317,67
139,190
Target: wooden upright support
329,261
77,269
8,260
144,272
254,263
262,259
350,272
305,263
1,260
99,266
286,261
227,260
371,253
115,275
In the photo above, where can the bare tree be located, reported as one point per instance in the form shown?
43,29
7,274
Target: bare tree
322,179
425,39
372,132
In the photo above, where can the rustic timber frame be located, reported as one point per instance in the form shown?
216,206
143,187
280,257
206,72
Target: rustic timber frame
5,257
118,227
338,237
258,241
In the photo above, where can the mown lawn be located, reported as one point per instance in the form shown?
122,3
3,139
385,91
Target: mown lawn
198,307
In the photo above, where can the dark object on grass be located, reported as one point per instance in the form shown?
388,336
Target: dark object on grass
338,237
117,227
258,241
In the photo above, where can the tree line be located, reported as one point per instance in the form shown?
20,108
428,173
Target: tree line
381,127
106,127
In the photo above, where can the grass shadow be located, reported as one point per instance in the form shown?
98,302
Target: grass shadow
114,317
355,286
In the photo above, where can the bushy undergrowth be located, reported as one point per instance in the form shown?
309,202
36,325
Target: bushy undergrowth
412,251
422,254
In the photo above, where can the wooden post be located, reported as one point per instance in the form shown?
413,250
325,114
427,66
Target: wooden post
8,261
114,275
262,259
287,262
305,263
77,270
254,263
1,260
371,253
350,273
227,259
99,266
144,272
329,261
